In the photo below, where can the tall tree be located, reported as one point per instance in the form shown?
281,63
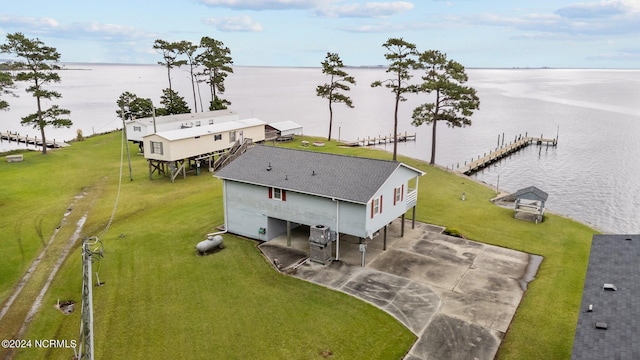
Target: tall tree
332,66
451,102
133,106
6,86
38,68
173,103
188,49
401,55
170,52
216,59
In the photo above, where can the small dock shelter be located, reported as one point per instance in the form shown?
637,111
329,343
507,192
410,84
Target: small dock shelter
283,130
268,191
138,128
528,203
173,150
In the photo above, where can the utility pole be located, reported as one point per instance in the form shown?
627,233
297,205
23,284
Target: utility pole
124,130
86,326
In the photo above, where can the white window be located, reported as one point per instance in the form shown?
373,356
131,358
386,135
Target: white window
197,123
232,136
398,194
277,194
211,122
376,206
137,128
156,147
217,137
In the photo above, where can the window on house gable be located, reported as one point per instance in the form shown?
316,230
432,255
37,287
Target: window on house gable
137,128
156,147
376,206
398,194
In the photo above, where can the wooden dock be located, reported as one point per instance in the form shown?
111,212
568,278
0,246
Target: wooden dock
379,140
25,139
500,153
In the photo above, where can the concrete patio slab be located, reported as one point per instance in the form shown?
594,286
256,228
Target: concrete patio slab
458,296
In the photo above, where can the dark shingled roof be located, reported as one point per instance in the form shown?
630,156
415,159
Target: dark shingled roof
342,177
529,193
614,259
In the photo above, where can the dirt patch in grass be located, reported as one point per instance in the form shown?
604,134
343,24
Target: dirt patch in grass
66,307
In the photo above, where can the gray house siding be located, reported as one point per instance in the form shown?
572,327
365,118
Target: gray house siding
243,206
253,209
390,209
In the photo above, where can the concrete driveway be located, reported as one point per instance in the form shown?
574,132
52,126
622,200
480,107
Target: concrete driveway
458,296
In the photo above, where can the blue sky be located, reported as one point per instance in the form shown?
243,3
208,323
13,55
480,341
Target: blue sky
476,33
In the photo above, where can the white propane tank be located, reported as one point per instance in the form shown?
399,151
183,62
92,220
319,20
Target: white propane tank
209,244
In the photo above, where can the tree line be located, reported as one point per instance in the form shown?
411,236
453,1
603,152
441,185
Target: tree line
210,62
448,99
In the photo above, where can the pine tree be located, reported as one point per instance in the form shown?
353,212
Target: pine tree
38,68
332,66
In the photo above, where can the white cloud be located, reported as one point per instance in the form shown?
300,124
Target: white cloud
578,20
602,9
387,27
40,24
263,4
370,9
628,55
235,23
78,30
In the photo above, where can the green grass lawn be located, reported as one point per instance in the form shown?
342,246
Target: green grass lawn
160,300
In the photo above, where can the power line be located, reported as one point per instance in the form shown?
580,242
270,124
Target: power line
86,344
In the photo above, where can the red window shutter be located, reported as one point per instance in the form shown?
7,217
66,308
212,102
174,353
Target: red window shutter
395,194
284,194
372,204
380,204
402,193
270,193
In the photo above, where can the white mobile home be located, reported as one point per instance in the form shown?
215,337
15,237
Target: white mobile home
175,147
138,128
269,189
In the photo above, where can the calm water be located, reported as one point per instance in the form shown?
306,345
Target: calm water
591,176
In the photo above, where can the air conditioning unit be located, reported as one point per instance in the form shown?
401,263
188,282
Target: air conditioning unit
320,234
320,244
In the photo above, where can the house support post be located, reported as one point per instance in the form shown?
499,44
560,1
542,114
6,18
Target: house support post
288,233
337,229
413,217
384,243
402,227
363,248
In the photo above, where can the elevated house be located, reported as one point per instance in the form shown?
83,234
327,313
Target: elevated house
171,152
270,190
139,128
609,317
